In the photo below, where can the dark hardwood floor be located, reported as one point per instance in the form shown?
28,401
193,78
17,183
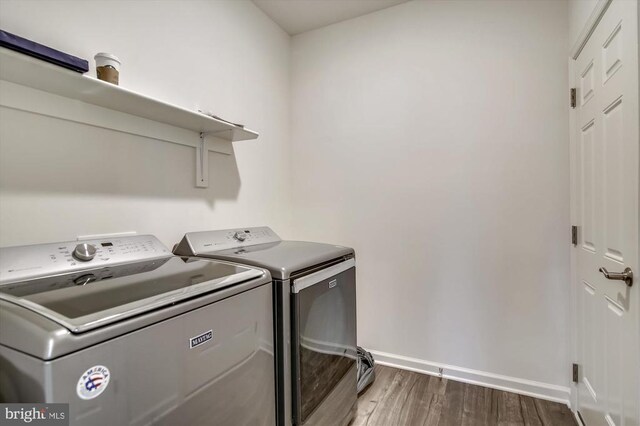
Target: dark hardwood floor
404,398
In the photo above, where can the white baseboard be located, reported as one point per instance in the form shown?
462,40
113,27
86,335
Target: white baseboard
482,378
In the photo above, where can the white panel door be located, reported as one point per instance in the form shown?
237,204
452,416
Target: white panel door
607,154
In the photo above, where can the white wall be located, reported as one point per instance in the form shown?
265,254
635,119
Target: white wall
433,138
579,13
59,179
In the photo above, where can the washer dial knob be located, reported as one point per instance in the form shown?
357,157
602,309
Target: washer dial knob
84,252
240,236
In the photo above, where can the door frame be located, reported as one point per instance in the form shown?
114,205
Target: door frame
598,11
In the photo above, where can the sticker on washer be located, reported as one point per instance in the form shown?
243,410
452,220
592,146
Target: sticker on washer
93,382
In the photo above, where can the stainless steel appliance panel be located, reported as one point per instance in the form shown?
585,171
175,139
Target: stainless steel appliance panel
290,262
158,376
261,248
324,342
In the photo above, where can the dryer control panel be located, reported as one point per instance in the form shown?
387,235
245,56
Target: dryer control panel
28,262
195,243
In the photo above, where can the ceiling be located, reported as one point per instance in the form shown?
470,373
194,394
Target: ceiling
298,16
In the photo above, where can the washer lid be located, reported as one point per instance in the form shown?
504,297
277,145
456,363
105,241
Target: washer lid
92,298
283,258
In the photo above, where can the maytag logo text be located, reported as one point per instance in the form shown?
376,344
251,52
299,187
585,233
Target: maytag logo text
200,339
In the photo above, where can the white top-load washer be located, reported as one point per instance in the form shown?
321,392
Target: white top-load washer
127,333
315,317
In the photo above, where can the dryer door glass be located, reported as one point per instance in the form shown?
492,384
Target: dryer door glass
325,347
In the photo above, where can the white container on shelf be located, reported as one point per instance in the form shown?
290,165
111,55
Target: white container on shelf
107,67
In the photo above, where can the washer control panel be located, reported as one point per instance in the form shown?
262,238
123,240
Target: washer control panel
28,262
195,243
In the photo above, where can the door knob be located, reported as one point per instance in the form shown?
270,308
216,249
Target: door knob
626,275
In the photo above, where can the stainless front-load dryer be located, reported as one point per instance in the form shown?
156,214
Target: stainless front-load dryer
128,334
315,317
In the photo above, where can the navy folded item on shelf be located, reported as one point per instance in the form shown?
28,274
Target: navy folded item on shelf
37,50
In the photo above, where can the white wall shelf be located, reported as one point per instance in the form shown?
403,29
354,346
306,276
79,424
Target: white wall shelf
32,73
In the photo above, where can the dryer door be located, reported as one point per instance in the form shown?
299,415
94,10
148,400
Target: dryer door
324,345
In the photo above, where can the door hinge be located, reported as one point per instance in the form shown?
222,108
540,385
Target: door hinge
574,235
574,372
573,97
